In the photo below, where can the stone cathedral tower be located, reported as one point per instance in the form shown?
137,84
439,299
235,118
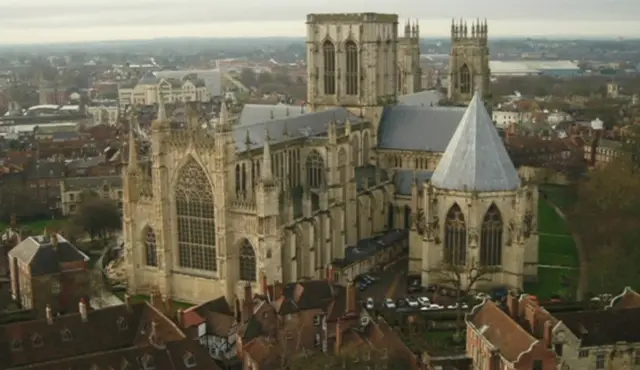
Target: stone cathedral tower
409,71
469,62
352,60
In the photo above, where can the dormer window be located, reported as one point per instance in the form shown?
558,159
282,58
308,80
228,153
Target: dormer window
147,362
122,323
36,341
66,335
189,360
16,345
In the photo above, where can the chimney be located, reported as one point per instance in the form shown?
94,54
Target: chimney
127,301
512,304
263,280
338,337
49,315
82,308
179,318
54,240
351,298
278,290
547,336
156,299
247,310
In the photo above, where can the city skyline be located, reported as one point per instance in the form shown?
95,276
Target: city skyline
54,21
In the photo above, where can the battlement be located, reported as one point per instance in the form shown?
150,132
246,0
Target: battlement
478,31
352,18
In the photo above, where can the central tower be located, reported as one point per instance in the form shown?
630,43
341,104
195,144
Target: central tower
352,60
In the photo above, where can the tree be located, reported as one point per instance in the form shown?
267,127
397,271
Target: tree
98,216
462,278
248,77
604,219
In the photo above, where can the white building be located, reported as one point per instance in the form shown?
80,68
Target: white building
148,89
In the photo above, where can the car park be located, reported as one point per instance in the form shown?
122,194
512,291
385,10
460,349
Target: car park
455,306
362,285
432,307
389,303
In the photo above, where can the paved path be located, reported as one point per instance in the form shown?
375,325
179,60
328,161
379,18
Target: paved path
558,267
102,296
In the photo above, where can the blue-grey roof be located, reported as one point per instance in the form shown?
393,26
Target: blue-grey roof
38,252
427,98
148,79
405,127
403,179
476,159
305,125
370,246
212,78
257,113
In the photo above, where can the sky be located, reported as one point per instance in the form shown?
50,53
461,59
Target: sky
53,21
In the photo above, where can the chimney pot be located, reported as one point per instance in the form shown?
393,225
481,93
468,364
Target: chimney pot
49,314
247,311
82,308
179,318
548,333
127,301
512,304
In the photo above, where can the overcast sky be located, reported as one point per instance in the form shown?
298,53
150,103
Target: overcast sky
36,21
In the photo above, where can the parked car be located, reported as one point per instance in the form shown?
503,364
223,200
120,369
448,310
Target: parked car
432,307
412,302
455,306
389,303
362,285
424,301
369,304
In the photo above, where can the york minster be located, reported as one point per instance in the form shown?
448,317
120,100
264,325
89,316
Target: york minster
279,193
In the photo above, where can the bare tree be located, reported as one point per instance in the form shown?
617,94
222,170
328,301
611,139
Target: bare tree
463,278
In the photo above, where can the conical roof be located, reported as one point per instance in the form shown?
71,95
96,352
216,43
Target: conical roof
476,159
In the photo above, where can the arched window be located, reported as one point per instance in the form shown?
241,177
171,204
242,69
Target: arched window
195,217
299,246
355,151
238,179
352,67
315,169
247,262
294,168
243,185
365,148
329,53
465,79
151,255
491,238
455,237
343,163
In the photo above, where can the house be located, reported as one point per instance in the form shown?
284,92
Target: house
214,325
130,336
496,341
72,190
313,317
48,271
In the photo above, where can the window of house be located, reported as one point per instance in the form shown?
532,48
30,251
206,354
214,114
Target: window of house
55,287
583,353
600,361
558,348
537,365
66,335
36,340
16,345
189,360
122,323
636,358
317,320
316,340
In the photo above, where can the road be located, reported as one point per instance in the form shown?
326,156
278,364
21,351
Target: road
392,283
234,81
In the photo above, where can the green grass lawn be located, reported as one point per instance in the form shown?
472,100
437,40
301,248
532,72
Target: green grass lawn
142,297
37,226
556,246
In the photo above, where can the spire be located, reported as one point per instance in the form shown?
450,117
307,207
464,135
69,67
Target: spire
476,159
453,28
133,150
223,119
407,29
247,140
267,176
162,113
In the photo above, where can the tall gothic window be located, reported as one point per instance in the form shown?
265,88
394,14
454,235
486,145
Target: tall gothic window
465,79
247,262
238,180
329,53
491,238
195,217
151,247
355,151
352,67
342,162
365,148
315,169
455,237
299,246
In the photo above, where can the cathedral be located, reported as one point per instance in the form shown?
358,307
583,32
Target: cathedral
278,193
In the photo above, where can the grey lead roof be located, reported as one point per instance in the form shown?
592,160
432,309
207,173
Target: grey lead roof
403,179
427,98
476,159
305,125
417,128
257,113
39,254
